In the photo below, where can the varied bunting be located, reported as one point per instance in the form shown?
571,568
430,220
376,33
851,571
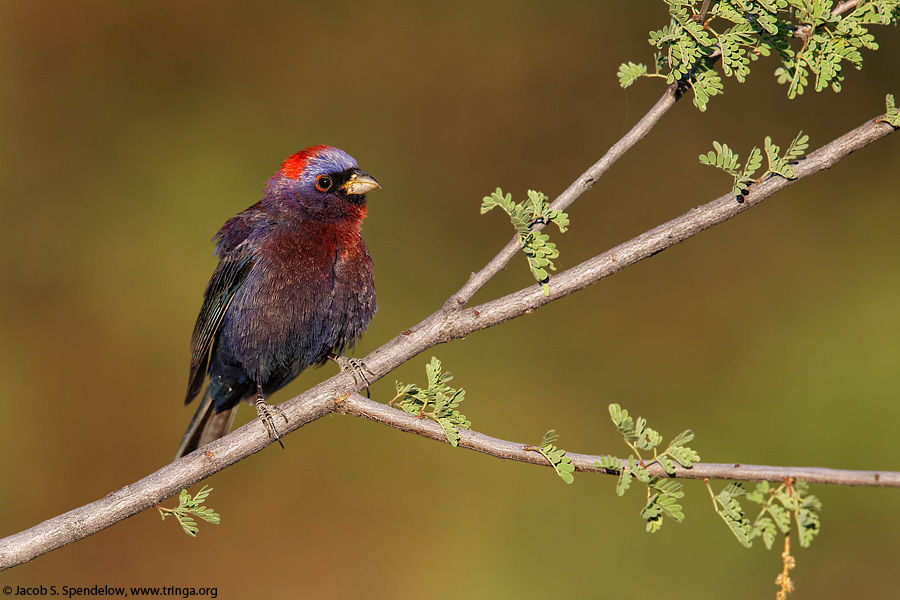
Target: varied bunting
293,287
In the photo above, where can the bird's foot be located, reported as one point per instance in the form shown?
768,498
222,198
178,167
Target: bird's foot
265,412
357,369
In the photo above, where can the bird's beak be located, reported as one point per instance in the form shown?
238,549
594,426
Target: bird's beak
360,183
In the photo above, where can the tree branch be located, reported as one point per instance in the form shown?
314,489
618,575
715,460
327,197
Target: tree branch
472,440
450,322
446,324
578,187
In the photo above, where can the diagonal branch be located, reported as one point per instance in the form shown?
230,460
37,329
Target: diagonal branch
335,394
578,187
448,324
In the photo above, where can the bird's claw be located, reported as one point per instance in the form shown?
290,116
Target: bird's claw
357,369
265,411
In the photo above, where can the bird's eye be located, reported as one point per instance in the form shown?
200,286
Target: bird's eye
324,183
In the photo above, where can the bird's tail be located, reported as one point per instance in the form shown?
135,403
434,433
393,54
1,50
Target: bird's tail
206,426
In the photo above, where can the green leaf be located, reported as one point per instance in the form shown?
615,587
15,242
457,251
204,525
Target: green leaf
188,506
623,422
565,469
728,507
685,456
682,438
641,473
610,463
669,492
727,160
891,115
549,438
772,155
797,148
781,165
723,158
200,496
735,43
766,528
806,514
780,517
779,505
669,487
666,463
557,458
539,252
624,482
760,494
663,494
813,46
662,503
652,513
630,72
438,401
705,85
742,181
671,508
808,526
648,440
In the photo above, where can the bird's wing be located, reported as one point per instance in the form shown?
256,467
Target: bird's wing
226,279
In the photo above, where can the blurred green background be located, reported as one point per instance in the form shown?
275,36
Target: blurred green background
131,131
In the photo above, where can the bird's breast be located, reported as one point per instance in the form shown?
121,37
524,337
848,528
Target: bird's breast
307,295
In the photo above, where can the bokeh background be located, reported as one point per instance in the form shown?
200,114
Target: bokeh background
130,131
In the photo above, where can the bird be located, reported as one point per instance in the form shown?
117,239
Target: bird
293,287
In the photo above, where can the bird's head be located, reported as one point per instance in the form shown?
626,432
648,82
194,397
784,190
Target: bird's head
321,183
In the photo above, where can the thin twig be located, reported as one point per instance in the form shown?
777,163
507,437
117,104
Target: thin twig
804,31
507,450
843,7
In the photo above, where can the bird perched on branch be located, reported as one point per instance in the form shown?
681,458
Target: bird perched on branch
293,287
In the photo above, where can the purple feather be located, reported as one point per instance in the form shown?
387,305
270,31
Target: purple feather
293,286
